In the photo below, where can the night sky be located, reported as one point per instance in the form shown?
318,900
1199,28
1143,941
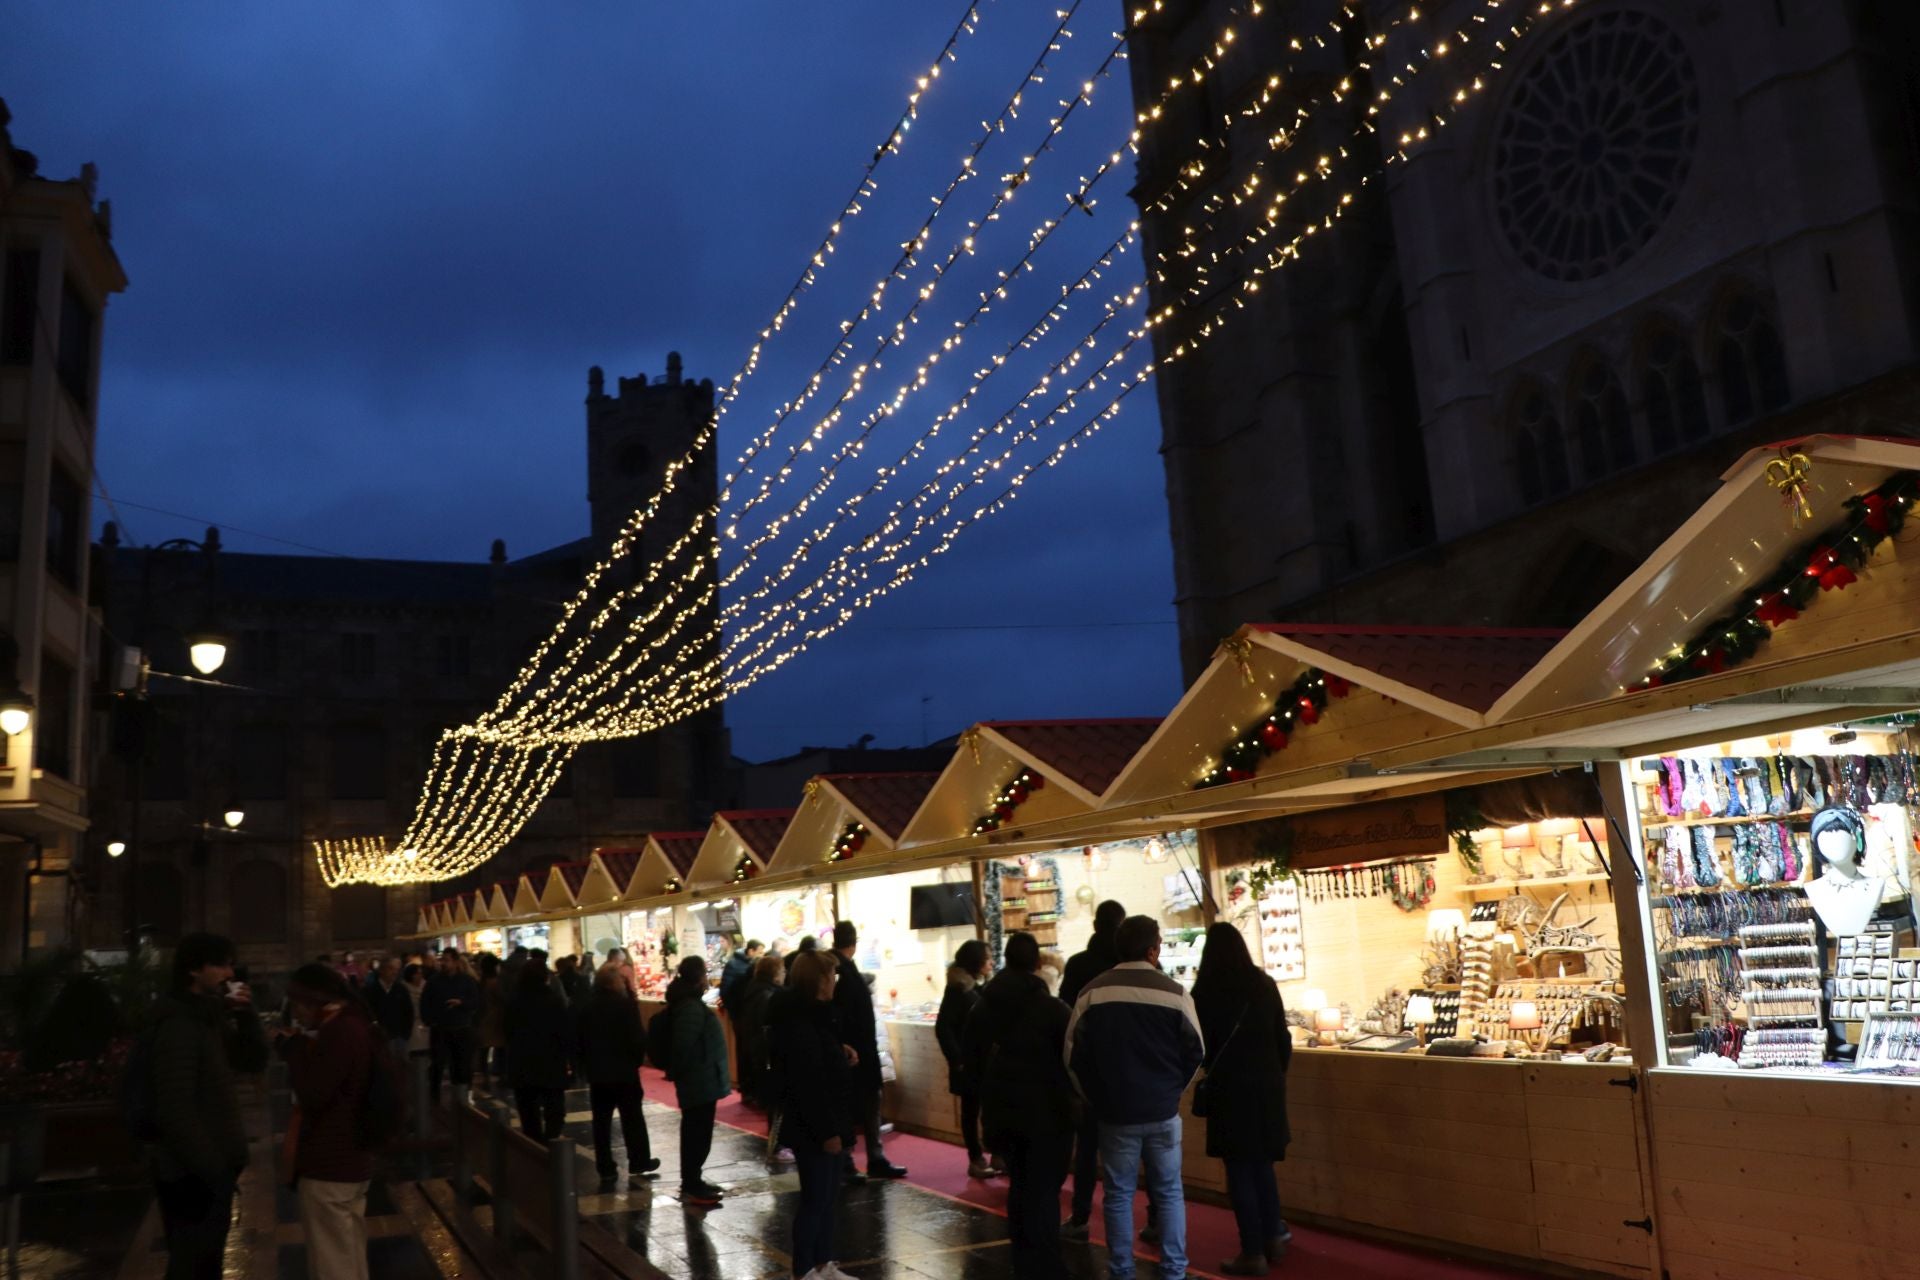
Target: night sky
374,248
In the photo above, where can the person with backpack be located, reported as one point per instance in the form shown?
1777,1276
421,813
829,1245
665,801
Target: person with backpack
697,1052
750,1026
181,1101
611,1044
334,1053
539,1038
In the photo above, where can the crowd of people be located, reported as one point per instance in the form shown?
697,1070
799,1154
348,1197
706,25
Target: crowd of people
1070,1071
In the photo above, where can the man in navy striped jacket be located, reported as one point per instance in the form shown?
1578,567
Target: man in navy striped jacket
1133,1046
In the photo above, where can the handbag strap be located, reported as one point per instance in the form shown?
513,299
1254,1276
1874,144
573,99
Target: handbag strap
1237,1023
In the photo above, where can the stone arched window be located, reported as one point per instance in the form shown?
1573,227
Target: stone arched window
1748,359
257,892
1670,389
1602,423
1539,448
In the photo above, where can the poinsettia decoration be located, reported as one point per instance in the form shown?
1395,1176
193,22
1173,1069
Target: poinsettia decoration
1300,704
1830,562
852,839
1008,799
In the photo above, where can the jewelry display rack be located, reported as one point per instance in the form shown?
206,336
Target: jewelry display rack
1780,974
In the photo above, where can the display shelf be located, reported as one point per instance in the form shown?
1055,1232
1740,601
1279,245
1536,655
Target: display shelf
1537,882
1651,822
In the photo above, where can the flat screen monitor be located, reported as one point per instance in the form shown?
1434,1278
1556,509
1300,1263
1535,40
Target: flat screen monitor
941,906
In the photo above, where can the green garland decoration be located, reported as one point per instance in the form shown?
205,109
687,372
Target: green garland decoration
1300,703
1275,867
1463,819
1008,799
1828,563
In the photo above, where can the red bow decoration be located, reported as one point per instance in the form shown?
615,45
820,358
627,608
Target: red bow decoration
1309,714
1826,567
1273,737
1875,505
1775,609
1712,661
1338,686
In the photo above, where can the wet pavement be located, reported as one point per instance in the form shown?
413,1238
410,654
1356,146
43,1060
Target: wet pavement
884,1230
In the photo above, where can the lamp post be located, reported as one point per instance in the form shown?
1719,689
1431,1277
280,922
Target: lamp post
207,650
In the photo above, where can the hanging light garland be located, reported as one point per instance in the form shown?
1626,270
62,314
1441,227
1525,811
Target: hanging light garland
510,817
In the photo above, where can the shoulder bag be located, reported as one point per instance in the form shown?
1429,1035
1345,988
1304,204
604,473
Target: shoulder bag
1202,1100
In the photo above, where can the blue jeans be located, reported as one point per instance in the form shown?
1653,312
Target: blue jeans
1154,1147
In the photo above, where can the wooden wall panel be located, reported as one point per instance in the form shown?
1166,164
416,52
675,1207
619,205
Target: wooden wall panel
1768,1177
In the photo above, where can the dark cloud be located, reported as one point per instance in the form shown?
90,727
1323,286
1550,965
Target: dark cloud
374,248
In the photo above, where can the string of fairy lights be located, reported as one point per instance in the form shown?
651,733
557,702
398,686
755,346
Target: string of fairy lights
485,779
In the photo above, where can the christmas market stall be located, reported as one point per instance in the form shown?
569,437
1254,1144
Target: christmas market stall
1746,700
1445,941
610,875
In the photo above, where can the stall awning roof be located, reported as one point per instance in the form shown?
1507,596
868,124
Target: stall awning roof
886,802
679,848
1457,673
620,864
1089,754
1736,539
758,829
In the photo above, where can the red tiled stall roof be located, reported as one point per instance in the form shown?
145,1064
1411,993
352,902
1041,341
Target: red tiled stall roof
888,799
1091,752
681,847
620,865
759,829
1467,666
574,873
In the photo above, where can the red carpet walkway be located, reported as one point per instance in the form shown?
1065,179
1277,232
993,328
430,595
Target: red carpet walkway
941,1168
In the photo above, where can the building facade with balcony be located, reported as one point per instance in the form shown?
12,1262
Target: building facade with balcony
59,271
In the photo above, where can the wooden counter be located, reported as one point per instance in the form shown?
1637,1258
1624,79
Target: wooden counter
1776,1178
1526,1159
918,1101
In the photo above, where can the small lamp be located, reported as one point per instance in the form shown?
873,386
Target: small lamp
1326,1022
1445,923
1524,1016
1421,1015
234,817
1313,999
1156,850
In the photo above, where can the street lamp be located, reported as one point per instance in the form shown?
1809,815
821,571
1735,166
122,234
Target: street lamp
16,711
116,847
234,817
207,650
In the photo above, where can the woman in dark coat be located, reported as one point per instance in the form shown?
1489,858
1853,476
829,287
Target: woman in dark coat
1248,1049
539,1038
750,1024
809,1068
964,976
611,1045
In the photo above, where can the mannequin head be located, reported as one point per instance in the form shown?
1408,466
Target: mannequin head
1840,838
